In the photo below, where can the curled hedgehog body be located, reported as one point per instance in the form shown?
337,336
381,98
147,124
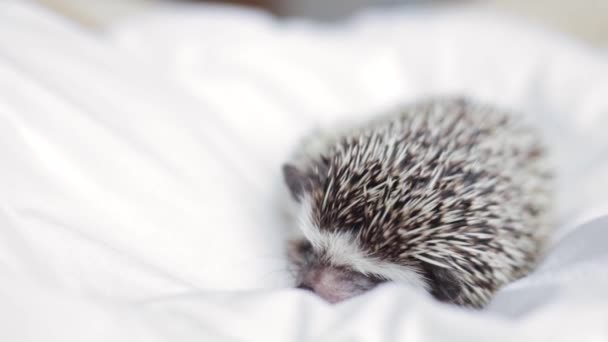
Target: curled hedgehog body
446,194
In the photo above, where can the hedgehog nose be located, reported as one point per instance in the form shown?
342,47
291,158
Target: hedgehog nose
334,284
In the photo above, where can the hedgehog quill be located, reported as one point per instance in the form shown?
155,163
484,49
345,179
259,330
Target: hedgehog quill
446,194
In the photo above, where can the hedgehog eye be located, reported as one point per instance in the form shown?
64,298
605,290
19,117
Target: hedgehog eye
375,280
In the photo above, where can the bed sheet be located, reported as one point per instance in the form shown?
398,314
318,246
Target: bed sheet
141,195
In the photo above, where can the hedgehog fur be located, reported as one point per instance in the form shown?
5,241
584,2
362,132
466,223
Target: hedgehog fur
445,194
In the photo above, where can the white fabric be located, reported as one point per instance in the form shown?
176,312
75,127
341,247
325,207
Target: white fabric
140,191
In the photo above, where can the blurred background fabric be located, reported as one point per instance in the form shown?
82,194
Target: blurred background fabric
584,19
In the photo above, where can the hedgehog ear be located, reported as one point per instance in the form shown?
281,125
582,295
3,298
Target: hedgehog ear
296,181
443,283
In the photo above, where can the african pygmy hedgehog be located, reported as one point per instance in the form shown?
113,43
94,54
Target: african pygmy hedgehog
445,194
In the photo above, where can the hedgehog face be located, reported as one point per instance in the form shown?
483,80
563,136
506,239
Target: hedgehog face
328,257
315,272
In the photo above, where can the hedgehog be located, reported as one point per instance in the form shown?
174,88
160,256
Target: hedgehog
448,195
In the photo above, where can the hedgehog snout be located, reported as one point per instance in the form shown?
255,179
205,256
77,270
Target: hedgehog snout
334,284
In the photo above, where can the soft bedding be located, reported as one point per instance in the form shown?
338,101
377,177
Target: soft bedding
140,194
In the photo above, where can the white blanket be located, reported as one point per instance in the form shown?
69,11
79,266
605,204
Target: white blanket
140,193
